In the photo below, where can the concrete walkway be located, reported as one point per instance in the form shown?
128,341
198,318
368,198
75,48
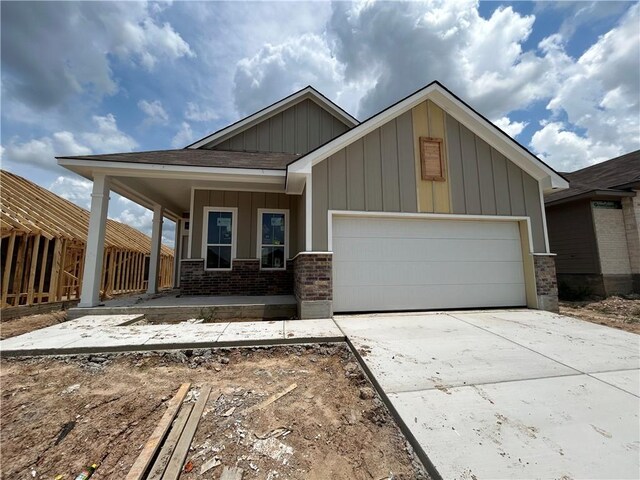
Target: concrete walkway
114,333
508,394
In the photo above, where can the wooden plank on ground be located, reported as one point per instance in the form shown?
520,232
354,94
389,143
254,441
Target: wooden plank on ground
170,443
151,447
271,399
231,473
174,468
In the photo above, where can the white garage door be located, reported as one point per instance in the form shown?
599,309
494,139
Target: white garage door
383,264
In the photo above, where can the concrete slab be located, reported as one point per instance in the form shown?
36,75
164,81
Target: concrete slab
240,333
181,334
312,329
421,352
569,427
114,338
563,339
627,380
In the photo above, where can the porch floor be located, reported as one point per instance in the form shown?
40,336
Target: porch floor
170,307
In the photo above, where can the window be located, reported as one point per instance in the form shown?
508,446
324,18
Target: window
219,237
273,241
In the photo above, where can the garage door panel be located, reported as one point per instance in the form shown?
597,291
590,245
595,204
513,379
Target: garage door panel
427,273
368,299
408,228
424,249
382,264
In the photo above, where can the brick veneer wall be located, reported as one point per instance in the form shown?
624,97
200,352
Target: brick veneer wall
546,282
245,278
312,276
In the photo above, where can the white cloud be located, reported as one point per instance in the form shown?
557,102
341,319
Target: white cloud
183,137
105,138
513,129
197,113
154,112
42,70
140,218
75,190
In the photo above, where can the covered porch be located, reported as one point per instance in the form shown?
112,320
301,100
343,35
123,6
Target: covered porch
242,227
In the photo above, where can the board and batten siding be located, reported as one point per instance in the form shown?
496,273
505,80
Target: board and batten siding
375,173
298,129
381,173
482,181
247,204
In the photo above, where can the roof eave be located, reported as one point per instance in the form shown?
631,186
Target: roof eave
592,194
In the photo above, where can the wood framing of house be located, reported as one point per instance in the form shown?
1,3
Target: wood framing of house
43,249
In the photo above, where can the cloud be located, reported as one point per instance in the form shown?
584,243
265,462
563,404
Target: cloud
42,70
600,97
76,190
105,138
197,113
140,218
183,137
154,112
513,129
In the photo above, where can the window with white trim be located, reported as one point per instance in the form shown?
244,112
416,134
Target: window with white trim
273,241
219,237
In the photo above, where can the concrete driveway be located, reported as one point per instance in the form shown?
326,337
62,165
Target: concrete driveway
508,394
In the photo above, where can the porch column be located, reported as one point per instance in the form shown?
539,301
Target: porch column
94,250
156,242
177,251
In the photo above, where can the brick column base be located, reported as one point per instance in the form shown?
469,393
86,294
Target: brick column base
546,281
312,285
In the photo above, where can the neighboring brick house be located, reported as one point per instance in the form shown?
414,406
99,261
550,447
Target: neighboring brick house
425,205
594,227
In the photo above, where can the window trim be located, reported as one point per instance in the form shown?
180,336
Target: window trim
234,235
261,211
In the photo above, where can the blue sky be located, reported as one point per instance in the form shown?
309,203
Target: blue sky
563,78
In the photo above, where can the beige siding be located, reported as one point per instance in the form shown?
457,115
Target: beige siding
298,129
247,204
375,173
612,241
572,238
483,181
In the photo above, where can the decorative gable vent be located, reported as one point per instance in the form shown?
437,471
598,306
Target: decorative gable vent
431,159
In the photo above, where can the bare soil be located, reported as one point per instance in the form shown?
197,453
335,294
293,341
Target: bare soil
616,312
331,426
18,326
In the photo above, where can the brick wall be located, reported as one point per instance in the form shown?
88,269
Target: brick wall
546,282
245,278
612,241
631,216
312,276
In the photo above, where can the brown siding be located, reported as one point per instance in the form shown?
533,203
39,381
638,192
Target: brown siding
247,204
374,173
298,129
572,238
485,182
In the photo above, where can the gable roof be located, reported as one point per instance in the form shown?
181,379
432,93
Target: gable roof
458,109
307,93
615,177
199,158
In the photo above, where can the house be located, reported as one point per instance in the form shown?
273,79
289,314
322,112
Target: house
425,205
43,250
594,228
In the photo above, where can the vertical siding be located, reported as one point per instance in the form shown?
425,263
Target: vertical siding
484,182
298,129
247,204
375,173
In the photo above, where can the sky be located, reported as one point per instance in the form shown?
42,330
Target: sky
562,78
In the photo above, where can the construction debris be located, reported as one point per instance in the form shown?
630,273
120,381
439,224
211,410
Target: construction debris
271,399
208,465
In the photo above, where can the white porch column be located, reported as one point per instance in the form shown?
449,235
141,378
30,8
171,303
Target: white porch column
156,242
94,250
177,252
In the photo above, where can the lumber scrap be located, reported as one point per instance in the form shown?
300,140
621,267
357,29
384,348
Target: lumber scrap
162,460
174,468
271,399
143,461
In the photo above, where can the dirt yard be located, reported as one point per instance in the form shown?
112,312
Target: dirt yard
102,409
617,312
18,326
